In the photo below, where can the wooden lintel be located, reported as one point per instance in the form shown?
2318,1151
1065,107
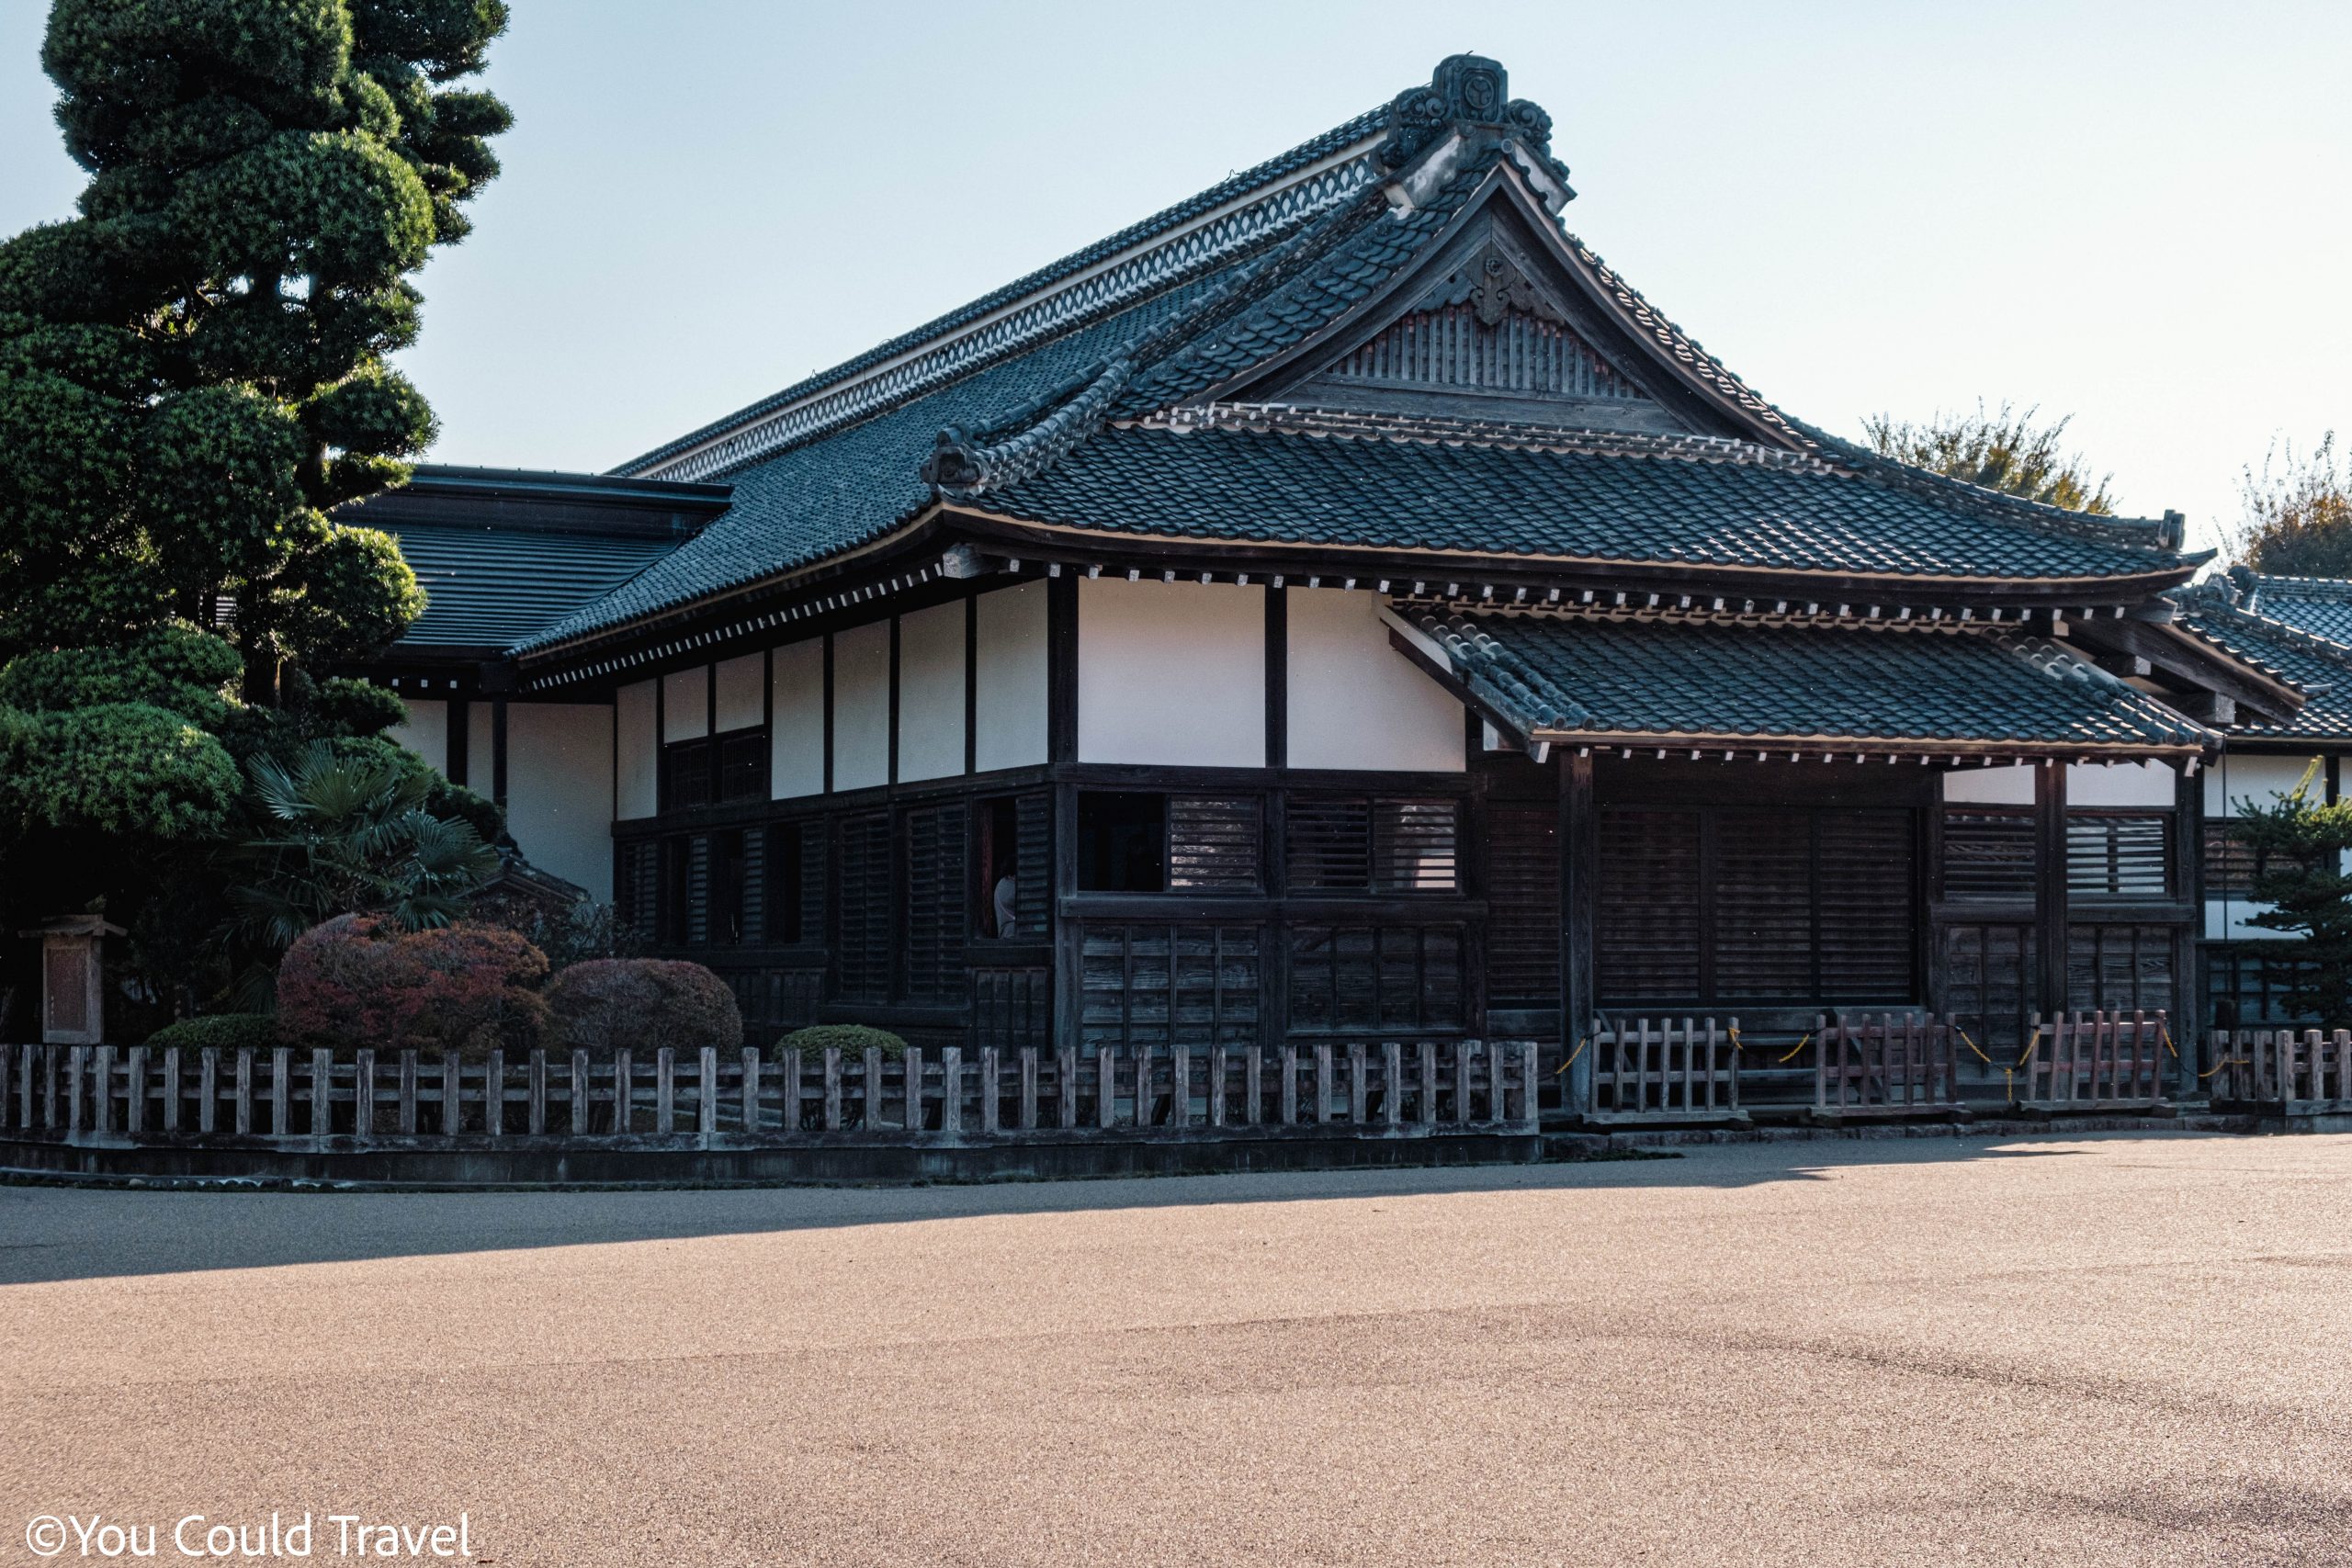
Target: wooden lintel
2178,661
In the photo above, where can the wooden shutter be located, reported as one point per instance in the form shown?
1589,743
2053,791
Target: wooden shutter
1763,906
862,950
1213,844
2119,966
935,903
1151,984
2119,854
1329,843
1988,981
1413,846
1523,905
1032,888
1988,854
1359,979
637,885
1647,939
1866,908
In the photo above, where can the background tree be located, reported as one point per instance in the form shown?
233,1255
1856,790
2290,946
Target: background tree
2003,450
2296,517
192,371
2299,854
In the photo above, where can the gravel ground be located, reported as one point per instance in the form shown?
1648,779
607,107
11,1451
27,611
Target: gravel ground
2109,1350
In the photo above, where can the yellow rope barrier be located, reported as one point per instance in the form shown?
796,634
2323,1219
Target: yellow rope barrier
1782,1061
1571,1062
1973,1045
2164,1034
2227,1062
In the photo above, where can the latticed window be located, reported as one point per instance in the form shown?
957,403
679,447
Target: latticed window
1371,844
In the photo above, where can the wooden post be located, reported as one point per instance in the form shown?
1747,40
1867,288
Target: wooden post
494,1094
1580,904
991,1087
832,1088
1322,1081
1028,1088
951,1090
624,1112
2049,906
707,1100
538,1073
751,1116
244,1122
910,1115
407,1092
1290,1084
134,1088
207,1088
1180,1084
1462,1082
281,1092
102,1088
171,1089
578,1102
1392,1082
1106,1086
1359,1103
665,1090
1253,1085
870,1091
363,1094
1066,1082
1215,1087
77,1068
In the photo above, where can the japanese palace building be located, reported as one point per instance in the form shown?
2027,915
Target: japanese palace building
1342,606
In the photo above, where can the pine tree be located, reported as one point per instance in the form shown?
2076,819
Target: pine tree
192,369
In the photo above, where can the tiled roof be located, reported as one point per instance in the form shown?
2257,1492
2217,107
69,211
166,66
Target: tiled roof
2321,604
490,588
2290,649
1811,688
1285,476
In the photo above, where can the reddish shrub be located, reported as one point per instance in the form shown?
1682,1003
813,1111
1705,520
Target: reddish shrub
643,1001
357,980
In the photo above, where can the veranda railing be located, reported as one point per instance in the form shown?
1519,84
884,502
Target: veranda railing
2297,1070
389,1099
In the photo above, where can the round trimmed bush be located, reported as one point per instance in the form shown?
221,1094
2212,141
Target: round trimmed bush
360,980
854,1038
609,1002
228,1030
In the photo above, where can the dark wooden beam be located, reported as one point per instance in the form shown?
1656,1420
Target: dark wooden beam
1277,678
2178,661
1579,879
2050,913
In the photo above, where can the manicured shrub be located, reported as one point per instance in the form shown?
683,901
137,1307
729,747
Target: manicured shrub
639,1002
359,980
851,1038
228,1030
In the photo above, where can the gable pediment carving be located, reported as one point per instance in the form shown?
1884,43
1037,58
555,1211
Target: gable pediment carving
1492,285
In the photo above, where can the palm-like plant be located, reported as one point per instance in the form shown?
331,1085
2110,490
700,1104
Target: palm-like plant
353,837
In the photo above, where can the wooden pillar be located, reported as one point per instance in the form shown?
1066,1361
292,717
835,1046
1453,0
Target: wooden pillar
1061,729
2049,887
2189,949
1580,882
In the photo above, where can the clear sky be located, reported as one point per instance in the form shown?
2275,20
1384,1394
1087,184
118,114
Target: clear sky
2139,213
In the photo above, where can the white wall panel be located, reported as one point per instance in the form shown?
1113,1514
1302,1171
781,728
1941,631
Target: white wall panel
741,691
931,692
797,743
426,733
2125,783
2008,786
637,756
861,706
1355,702
1012,727
685,703
2232,779
560,789
1171,673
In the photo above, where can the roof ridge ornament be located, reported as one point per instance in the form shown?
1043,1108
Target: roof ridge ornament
1468,98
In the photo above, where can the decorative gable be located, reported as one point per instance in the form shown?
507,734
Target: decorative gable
1485,329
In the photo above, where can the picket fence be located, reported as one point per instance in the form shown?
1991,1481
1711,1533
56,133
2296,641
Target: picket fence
706,1097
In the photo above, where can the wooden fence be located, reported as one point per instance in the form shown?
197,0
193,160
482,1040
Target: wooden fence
662,1098
1905,1065
2302,1072
1656,1070
2096,1061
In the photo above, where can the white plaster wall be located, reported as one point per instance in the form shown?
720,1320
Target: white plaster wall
2009,786
560,789
931,692
797,743
636,753
1172,675
861,706
1011,721
741,691
2125,783
426,733
1355,702
2230,780
685,703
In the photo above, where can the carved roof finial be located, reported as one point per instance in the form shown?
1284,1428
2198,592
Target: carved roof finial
1467,91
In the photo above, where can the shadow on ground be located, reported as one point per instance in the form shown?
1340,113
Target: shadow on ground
51,1234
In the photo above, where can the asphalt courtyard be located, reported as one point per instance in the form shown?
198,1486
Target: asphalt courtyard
2126,1351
